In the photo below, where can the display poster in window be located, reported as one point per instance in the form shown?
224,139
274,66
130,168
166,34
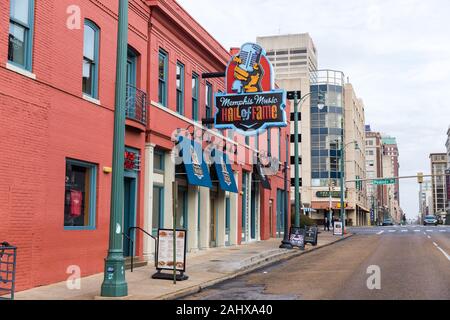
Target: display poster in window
297,237
338,229
164,257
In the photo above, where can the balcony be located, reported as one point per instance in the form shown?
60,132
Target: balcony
136,105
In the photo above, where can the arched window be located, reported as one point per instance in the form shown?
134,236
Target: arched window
90,59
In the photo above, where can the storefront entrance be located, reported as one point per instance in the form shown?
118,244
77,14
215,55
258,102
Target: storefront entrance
129,212
182,212
254,202
280,213
213,220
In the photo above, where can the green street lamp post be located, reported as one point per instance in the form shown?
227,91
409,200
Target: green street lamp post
114,283
342,183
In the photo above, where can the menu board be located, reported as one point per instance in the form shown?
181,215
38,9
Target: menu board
164,257
311,235
297,237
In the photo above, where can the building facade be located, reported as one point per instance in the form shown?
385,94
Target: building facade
358,211
295,58
374,170
439,185
57,112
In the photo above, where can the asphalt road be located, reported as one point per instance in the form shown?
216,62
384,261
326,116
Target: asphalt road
414,263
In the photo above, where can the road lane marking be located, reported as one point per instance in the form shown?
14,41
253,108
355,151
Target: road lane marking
444,253
416,230
442,231
429,237
429,230
404,230
381,232
435,244
392,231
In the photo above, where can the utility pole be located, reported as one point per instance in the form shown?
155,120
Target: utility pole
114,283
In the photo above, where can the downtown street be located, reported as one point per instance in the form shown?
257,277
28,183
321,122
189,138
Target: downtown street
414,262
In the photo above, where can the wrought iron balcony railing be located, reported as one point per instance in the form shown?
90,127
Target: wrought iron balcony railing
136,105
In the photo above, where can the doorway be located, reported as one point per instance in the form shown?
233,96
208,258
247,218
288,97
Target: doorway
254,196
129,213
181,217
227,221
213,221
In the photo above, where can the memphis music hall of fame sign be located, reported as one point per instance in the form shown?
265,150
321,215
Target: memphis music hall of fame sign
251,103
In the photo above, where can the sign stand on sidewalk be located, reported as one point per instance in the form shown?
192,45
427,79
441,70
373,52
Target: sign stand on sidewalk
165,258
338,228
297,237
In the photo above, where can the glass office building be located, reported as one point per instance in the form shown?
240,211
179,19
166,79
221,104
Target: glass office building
327,112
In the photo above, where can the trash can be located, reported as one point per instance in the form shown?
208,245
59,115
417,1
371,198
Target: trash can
7,271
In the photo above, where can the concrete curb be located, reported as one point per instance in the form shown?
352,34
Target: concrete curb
263,263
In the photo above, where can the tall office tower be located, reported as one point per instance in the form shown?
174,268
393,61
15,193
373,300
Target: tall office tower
438,167
390,148
374,170
294,59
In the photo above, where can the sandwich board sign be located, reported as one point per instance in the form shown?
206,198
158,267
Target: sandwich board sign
297,237
338,229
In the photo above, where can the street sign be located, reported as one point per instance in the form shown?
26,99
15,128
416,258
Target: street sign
379,182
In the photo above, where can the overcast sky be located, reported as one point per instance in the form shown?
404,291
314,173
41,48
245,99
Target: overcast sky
396,53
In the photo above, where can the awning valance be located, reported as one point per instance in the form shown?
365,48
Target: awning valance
258,175
224,171
194,163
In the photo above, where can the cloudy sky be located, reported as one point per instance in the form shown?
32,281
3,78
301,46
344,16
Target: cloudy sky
396,53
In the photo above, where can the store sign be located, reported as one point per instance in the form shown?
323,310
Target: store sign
251,102
132,161
326,194
164,255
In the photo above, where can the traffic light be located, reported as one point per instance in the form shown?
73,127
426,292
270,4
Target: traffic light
420,177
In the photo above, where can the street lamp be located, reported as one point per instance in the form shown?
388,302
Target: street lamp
298,101
286,243
114,283
343,147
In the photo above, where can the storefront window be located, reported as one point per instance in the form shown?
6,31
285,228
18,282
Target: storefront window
80,195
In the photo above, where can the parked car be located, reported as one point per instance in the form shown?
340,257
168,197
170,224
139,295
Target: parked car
388,222
430,220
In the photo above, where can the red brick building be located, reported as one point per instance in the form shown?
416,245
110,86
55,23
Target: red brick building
57,82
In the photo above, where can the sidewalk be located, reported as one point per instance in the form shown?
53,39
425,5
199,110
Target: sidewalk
204,268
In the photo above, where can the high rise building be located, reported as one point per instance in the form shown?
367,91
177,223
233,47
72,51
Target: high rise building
294,57
374,170
358,212
439,185
390,149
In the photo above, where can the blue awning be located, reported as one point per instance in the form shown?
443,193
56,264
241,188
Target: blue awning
224,172
194,163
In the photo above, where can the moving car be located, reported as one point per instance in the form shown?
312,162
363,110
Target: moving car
388,222
430,220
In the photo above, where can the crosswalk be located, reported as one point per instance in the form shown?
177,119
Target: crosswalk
400,230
